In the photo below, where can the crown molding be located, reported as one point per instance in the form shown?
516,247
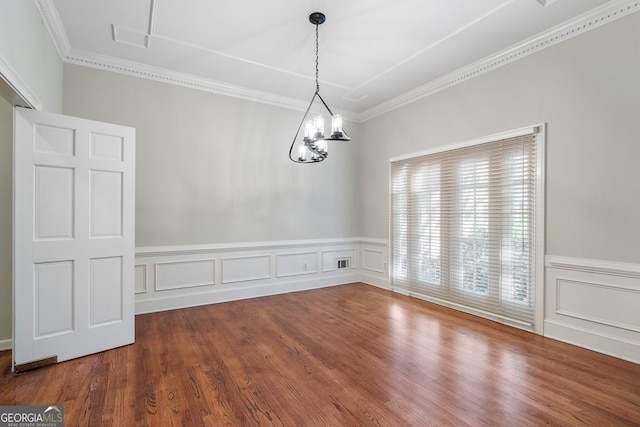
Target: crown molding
52,21
593,19
107,63
69,55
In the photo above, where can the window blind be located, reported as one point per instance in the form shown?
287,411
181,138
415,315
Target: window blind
463,228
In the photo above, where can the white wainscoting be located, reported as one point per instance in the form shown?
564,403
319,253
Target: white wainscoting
594,304
246,268
183,276
374,259
296,264
140,278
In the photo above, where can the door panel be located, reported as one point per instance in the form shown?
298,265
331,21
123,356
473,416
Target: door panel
73,236
106,204
54,191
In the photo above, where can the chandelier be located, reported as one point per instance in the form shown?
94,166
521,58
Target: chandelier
312,147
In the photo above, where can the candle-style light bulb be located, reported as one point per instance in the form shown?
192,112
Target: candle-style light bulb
302,153
309,130
336,126
336,123
322,145
319,124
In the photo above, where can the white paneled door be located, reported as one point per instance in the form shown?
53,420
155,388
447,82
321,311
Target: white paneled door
74,197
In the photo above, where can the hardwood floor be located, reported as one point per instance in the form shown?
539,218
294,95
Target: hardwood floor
342,356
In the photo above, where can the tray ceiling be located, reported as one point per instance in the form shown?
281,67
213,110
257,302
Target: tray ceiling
374,54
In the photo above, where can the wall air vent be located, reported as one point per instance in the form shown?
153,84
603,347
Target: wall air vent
343,262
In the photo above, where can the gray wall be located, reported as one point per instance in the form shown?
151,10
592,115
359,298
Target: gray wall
214,169
587,90
25,47
6,245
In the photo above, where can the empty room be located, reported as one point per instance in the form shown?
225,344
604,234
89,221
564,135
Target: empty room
319,213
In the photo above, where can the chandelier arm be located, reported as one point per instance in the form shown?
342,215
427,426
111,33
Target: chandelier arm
324,103
293,143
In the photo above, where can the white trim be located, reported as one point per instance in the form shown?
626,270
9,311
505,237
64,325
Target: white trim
145,274
381,282
378,277
237,293
529,130
52,21
159,265
594,266
267,274
592,318
17,85
379,269
541,185
374,242
254,280
329,258
135,69
593,340
245,246
304,271
6,345
593,19
588,319
471,310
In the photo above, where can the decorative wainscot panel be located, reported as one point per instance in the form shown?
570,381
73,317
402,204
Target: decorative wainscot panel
296,264
374,262
594,304
185,276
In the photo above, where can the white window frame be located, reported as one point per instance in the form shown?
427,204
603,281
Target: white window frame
540,136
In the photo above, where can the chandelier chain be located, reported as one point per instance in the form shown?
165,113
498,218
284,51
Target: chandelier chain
317,60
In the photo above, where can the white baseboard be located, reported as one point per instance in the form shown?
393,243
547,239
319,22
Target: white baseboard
375,280
602,343
162,303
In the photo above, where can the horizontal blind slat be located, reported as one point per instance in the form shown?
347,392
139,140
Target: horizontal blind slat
463,227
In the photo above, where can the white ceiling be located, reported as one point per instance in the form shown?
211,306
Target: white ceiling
374,54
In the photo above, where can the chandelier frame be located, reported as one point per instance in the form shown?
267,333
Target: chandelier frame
314,140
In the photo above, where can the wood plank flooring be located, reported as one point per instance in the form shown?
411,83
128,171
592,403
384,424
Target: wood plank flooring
351,355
